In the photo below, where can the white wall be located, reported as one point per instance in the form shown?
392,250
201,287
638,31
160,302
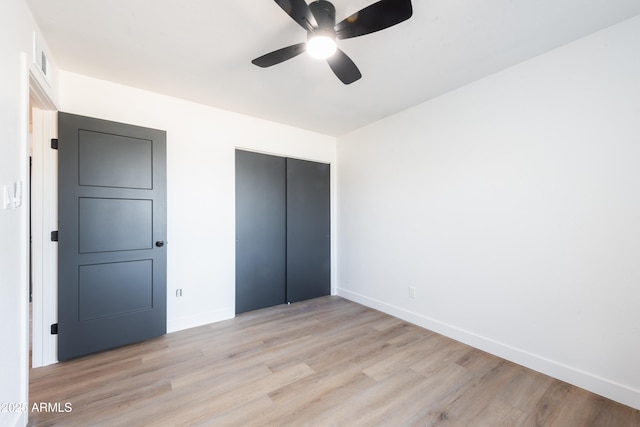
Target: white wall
16,37
512,205
201,143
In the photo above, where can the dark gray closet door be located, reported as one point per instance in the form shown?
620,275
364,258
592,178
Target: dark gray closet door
112,227
260,231
308,230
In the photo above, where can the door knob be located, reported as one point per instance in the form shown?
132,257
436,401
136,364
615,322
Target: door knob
160,243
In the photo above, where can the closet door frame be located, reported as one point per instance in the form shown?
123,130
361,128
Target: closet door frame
244,268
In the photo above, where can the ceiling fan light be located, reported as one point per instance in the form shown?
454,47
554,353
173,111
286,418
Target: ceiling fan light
321,46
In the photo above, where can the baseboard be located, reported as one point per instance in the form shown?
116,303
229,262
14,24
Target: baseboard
186,322
601,386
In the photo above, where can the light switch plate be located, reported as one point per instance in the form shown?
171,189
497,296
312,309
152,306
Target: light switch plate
12,195
17,194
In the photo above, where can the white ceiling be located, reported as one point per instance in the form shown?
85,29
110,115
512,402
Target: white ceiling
201,51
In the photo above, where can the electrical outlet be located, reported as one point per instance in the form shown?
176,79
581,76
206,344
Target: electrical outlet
178,292
412,292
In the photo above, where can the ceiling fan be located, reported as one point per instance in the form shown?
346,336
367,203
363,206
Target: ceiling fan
319,20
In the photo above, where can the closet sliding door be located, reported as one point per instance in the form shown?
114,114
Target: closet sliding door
260,231
283,248
308,230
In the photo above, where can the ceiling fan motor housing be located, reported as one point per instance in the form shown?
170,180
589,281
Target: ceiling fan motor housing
325,14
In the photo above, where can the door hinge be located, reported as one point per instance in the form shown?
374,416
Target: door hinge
54,236
54,329
54,143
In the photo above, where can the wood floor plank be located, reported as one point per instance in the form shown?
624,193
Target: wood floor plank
497,414
321,410
241,415
236,397
470,400
434,391
321,362
525,390
374,404
403,357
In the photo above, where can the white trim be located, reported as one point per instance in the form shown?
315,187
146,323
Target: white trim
602,386
39,95
24,206
44,220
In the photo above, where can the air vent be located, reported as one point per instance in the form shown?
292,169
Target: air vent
40,58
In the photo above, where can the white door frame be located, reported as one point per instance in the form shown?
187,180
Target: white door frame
44,219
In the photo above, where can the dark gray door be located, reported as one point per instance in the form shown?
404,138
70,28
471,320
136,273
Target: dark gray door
260,231
308,230
112,232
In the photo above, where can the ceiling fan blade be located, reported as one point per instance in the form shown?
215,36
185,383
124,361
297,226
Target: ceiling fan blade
300,12
280,55
375,17
344,67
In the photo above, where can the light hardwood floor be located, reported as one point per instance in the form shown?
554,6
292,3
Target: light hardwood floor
323,362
